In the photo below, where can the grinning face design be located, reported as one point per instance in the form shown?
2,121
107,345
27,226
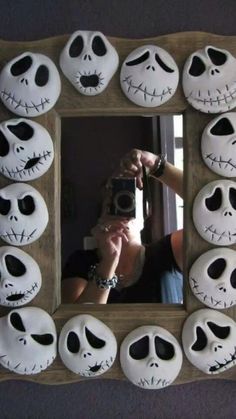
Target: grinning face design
209,341
218,145
150,357
27,340
87,346
149,76
209,80
23,214
212,278
30,84
89,61
20,277
26,149
214,212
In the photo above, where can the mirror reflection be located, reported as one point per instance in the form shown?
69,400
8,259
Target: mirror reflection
122,209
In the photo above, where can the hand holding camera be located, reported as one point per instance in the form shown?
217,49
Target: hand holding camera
133,162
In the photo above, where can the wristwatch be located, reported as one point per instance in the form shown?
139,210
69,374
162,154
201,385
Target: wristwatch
159,166
102,283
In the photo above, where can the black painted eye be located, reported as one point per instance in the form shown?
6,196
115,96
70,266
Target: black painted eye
217,57
21,66
233,279
76,47
93,340
162,64
73,343
213,203
42,76
197,67
26,205
98,46
5,206
222,127
164,350
216,268
23,131
232,197
4,145
140,348
138,60
221,332
14,266
46,339
16,322
201,341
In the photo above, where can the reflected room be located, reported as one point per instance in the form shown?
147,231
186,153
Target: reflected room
91,151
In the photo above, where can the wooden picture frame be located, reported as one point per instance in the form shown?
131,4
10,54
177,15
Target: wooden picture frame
46,250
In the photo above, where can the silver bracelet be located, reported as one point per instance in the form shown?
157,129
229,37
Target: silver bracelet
102,283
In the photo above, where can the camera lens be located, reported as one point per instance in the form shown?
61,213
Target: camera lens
124,201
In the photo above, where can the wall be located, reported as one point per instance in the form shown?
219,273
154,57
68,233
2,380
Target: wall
28,20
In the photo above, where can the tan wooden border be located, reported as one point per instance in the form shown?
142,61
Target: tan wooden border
121,318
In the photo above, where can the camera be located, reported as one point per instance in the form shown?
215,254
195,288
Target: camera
123,198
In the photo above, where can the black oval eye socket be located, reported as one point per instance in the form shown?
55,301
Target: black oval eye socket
4,145
76,47
232,197
201,341
217,57
140,348
21,66
23,131
73,343
197,67
216,268
163,65
98,46
138,60
221,332
14,266
93,340
16,322
233,279
46,339
164,350
26,205
213,203
5,206
222,127
42,76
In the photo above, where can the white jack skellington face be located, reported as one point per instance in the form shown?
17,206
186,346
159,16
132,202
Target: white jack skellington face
212,278
214,212
26,149
151,357
30,84
209,80
89,61
20,277
27,340
87,346
23,214
218,145
209,341
149,76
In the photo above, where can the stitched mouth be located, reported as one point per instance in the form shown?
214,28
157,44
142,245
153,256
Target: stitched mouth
8,96
221,365
218,98
143,89
153,382
95,368
19,237
89,81
15,297
220,161
32,162
225,234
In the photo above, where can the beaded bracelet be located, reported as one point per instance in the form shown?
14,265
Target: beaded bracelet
102,283
159,167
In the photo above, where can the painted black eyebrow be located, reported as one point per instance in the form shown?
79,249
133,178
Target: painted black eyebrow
162,64
139,60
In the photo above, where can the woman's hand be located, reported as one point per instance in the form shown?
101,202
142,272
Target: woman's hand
131,164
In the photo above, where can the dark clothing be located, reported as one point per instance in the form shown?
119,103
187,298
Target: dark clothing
159,259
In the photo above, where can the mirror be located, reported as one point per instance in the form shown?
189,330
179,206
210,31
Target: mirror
91,149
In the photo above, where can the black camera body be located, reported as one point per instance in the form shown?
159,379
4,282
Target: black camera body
123,197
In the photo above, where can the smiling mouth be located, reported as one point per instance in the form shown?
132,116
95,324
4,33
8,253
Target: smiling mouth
20,103
31,162
143,89
220,365
15,297
95,368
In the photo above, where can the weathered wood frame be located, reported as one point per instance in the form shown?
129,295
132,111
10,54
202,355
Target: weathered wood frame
121,318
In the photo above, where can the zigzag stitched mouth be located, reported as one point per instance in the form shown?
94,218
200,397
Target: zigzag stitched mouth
219,365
